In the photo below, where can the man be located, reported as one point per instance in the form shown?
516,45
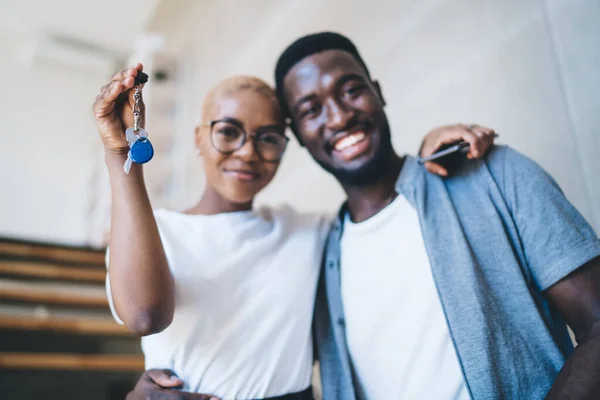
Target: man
438,288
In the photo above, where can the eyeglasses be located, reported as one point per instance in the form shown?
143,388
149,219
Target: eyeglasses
228,136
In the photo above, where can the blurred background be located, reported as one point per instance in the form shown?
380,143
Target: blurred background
527,68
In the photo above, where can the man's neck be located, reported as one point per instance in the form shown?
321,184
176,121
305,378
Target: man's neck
364,201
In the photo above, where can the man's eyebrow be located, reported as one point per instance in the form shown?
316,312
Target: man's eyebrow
344,79
302,100
350,77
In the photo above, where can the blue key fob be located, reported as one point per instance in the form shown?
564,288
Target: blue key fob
141,151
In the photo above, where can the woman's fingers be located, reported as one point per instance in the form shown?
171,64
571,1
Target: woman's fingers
124,73
106,100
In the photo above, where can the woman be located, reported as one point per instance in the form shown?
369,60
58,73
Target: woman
223,293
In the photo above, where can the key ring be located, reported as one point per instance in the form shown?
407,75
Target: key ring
140,148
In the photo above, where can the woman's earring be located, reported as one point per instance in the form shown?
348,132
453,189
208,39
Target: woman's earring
198,152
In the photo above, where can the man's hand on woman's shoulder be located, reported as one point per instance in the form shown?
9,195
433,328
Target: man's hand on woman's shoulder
480,139
162,384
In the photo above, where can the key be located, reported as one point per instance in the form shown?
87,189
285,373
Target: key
127,165
132,137
141,151
140,148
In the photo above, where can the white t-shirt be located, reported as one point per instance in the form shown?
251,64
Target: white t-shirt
245,286
396,331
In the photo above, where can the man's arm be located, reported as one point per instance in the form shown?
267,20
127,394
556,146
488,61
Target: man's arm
577,298
562,255
160,384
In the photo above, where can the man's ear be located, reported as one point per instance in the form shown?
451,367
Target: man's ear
379,92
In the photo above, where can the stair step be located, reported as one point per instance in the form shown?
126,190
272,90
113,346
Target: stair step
51,271
54,293
79,362
59,254
81,326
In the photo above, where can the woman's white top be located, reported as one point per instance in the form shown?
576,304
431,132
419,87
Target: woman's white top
245,286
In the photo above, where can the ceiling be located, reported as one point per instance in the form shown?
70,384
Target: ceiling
109,24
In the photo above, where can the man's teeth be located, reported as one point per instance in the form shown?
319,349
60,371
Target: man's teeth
349,141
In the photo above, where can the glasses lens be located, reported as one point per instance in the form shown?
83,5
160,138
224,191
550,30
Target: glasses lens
271,145
227,137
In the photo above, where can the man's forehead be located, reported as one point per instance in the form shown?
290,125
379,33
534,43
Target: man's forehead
326,64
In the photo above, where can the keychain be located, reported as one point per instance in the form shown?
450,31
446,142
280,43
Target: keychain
140,148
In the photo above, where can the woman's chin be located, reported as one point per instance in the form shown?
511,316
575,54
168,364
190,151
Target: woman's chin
241,200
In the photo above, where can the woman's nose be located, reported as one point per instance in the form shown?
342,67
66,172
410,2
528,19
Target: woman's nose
248,151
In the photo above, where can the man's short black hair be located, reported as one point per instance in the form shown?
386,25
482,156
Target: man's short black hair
307,46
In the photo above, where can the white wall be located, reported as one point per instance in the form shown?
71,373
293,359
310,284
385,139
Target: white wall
49,147
575,32
50,155
527,68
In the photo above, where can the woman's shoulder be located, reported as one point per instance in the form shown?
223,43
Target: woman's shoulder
173,223
164,213
165,217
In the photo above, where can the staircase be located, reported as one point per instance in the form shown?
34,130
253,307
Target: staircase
58,339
